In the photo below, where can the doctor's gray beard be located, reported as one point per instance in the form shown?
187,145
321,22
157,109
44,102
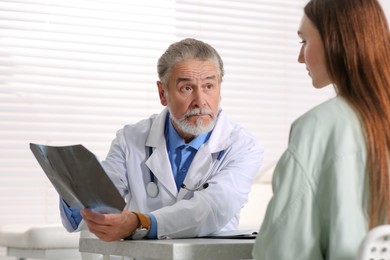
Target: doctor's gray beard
198,128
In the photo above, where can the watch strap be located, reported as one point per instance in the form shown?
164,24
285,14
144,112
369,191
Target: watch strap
143,220
143,229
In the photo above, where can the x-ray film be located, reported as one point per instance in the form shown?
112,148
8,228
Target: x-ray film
78,177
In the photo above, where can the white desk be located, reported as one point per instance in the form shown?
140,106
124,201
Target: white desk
172,249
39,241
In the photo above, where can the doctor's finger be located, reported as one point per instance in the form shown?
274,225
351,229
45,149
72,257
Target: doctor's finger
97,228
106,237
105,233
89,215
100,234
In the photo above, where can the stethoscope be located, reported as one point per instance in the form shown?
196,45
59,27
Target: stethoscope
152,188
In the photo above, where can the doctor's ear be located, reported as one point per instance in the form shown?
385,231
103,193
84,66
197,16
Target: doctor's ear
161,93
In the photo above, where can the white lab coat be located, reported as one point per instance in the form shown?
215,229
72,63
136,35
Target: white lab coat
184,213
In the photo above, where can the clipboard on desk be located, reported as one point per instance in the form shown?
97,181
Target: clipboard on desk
78,177
233,234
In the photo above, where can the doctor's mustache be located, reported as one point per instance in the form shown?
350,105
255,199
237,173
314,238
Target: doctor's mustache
197,112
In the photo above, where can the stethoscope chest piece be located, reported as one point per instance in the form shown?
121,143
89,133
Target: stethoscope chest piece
152,189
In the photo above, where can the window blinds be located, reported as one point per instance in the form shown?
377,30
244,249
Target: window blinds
71,72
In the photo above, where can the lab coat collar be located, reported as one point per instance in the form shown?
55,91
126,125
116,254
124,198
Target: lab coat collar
205,161
156,135
159,164
158,161
219,139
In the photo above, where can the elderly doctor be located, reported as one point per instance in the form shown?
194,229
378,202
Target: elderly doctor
186,172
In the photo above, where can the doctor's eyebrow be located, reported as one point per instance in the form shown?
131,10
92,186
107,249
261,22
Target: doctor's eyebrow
213,77
182,79
210,77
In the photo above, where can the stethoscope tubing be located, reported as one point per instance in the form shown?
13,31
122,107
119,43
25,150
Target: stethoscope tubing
152,188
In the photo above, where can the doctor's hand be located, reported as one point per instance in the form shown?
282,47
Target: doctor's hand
110,227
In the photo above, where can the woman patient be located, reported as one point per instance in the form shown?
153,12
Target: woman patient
331,185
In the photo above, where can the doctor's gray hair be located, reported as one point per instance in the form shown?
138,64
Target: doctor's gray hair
185,50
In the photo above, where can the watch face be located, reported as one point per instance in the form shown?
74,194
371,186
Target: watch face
140,233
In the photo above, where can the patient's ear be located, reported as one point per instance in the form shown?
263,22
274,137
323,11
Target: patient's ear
161,93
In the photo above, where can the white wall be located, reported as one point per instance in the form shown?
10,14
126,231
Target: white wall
386,6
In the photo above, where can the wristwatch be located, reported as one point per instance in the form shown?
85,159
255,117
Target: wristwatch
143,230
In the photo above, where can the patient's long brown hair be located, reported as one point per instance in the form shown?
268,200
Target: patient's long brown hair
356,38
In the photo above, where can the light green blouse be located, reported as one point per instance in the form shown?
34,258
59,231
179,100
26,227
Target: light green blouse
318,208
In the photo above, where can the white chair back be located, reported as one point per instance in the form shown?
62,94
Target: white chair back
376,244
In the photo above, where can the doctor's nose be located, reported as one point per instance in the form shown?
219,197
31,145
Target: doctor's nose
199,99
